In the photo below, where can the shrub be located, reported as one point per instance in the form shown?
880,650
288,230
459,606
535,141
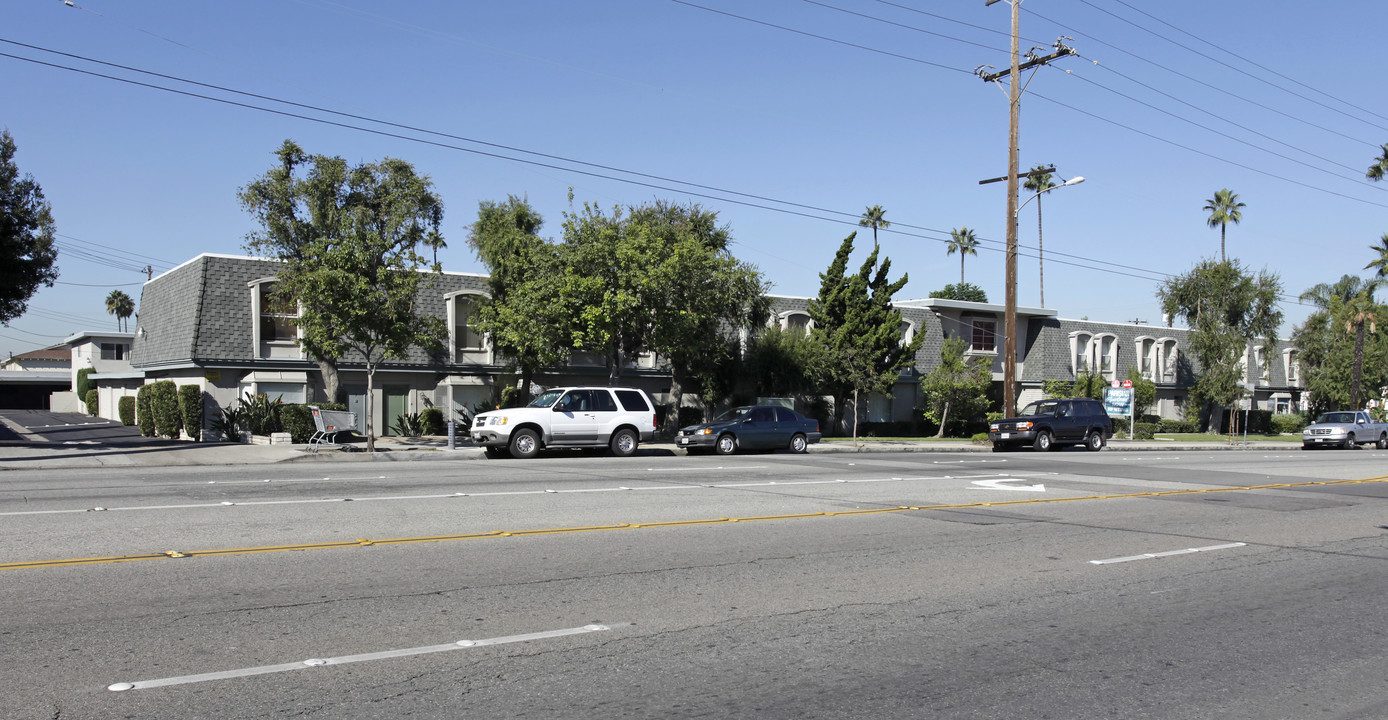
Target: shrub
431,422
93,400
190,410
1120,425
163,405
1144,431
228,423
407,425
297,420
83,384
1167,425
144,415
260,414
1292,424
126,408
980,439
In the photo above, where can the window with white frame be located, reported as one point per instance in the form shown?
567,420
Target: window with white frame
908,331
1107,349
466,337
1260,363
796,321
1147,357
1291,366
1081,354
279,316
983,335
1166,360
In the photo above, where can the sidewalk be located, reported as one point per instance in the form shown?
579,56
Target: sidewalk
30,452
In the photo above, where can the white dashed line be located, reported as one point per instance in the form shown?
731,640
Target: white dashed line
1168,553
344,659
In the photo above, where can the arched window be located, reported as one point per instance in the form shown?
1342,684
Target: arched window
466,338
796,320
275,332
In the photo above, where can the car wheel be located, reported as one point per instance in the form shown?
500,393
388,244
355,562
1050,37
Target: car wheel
1382,443
525,444
798,443
1094,442
1349,442
624,442
496,452
726,445
1043,441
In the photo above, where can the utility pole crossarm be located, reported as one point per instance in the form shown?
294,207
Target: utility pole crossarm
1060,53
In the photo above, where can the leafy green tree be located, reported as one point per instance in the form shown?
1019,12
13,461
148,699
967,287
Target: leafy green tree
1041,183
1326,353
782,362
1226,308
120,305
28,252
349,240
1323,295
1087,384
524,318
859,330
874,217
963,291
605,283
958,385
964,241
697,292
1224,208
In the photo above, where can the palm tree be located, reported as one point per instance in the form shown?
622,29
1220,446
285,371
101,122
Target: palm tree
1380,166
435,241
963,240
1040,183
1380,264
874,217
1223,209
1360,311
1325,295
120,305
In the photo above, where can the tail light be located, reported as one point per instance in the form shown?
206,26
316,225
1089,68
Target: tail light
654,424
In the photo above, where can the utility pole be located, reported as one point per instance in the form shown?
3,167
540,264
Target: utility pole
1009,346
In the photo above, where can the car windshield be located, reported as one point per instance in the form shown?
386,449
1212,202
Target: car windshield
1339,417
1038,408
546,399
732,414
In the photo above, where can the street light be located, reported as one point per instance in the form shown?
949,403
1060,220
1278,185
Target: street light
1009,362
1076,180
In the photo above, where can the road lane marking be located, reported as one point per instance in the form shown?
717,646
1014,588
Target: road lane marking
363,657
1168,553
1000,484
365,542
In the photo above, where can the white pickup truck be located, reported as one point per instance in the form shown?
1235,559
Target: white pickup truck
1345,429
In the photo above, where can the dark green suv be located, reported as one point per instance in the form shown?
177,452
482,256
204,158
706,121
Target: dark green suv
1054,423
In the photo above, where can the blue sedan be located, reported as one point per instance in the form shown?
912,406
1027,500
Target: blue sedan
764,427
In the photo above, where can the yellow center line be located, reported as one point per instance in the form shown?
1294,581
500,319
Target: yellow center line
364,542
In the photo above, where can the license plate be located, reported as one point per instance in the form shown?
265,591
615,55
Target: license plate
684,441
1004,436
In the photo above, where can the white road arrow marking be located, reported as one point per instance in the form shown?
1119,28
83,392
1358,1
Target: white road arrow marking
998,485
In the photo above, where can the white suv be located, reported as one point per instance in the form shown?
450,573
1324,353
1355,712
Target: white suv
578,417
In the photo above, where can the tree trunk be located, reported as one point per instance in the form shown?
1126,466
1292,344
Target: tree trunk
370,417
944,416
1358,368
855,418
332,381
672,418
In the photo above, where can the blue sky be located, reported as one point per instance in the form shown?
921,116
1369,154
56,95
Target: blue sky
791,115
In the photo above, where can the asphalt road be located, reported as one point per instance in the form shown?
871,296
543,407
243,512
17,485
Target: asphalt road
1067,585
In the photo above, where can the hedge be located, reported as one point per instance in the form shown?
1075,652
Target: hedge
83,384
1290,424
143,413
93,400
190,410
163,405
297,420
126,407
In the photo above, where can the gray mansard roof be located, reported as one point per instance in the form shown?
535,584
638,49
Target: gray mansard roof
199,313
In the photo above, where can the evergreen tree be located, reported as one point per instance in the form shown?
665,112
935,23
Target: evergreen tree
28,252
859,330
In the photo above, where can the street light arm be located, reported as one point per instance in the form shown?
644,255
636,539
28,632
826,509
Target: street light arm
1072,181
